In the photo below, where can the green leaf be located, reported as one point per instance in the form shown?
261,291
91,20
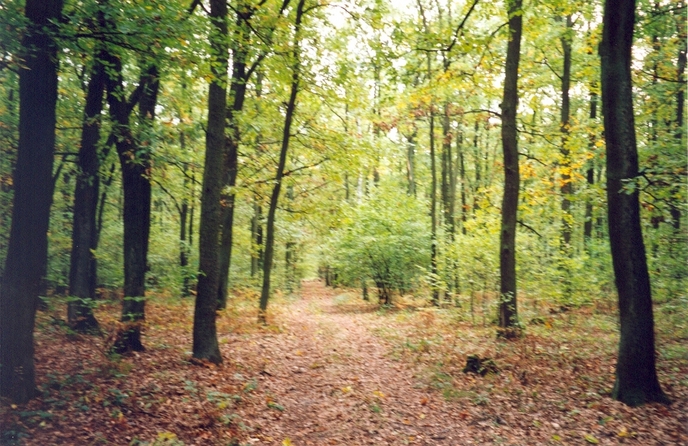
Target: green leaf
590,439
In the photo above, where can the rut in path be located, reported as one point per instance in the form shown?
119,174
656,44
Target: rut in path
328,379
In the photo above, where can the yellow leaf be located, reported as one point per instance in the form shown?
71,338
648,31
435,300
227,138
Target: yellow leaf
287,442
346,389
379,394
590,439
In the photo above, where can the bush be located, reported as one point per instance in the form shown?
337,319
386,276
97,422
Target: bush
386,239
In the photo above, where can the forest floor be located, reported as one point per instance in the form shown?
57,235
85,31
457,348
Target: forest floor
331,369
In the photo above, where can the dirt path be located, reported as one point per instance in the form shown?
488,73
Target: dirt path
329,380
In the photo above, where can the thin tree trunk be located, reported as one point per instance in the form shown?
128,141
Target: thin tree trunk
27,252
674,209
433,206
256,237
508,310
462,181
82,261
274,198
184,244
565,124
636,376
205,345
590,176
448,181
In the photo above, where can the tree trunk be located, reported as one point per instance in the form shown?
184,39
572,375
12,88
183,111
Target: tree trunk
433,206
237,89
411,162
205,345
590,176
290,252
256,238
184,241
135,166
674,209
508,310
636,377
82,261
27,252
566,182
448,180
274,198
462,182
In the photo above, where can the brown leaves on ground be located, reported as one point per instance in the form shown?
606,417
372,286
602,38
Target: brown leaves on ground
333,370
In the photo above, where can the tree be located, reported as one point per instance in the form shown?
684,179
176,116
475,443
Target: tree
26,261
135,166
636,376
82,271
205,345
279,174
508,311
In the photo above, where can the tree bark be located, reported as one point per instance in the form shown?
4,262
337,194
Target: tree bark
237,95
636,376
590,176
82,261
27,252
508,310
565,124
433,205
274,197
411,162
135,166
205,345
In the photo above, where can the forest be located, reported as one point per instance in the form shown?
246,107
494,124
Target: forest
297,222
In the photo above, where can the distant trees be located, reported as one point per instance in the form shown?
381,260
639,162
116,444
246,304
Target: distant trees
384,239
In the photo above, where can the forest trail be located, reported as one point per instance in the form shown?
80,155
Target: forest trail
330,380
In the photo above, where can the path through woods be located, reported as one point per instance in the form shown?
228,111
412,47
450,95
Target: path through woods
331,369
337,384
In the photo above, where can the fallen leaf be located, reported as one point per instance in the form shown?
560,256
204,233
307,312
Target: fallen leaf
590,439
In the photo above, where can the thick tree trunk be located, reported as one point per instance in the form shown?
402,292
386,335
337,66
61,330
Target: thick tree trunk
82,261
636,376
135,166
237,89
508,310
227,219
27,252
274,198
205,345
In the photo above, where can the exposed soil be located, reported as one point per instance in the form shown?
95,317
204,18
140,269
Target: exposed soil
332,369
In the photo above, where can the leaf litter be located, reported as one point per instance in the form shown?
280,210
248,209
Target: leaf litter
330,369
